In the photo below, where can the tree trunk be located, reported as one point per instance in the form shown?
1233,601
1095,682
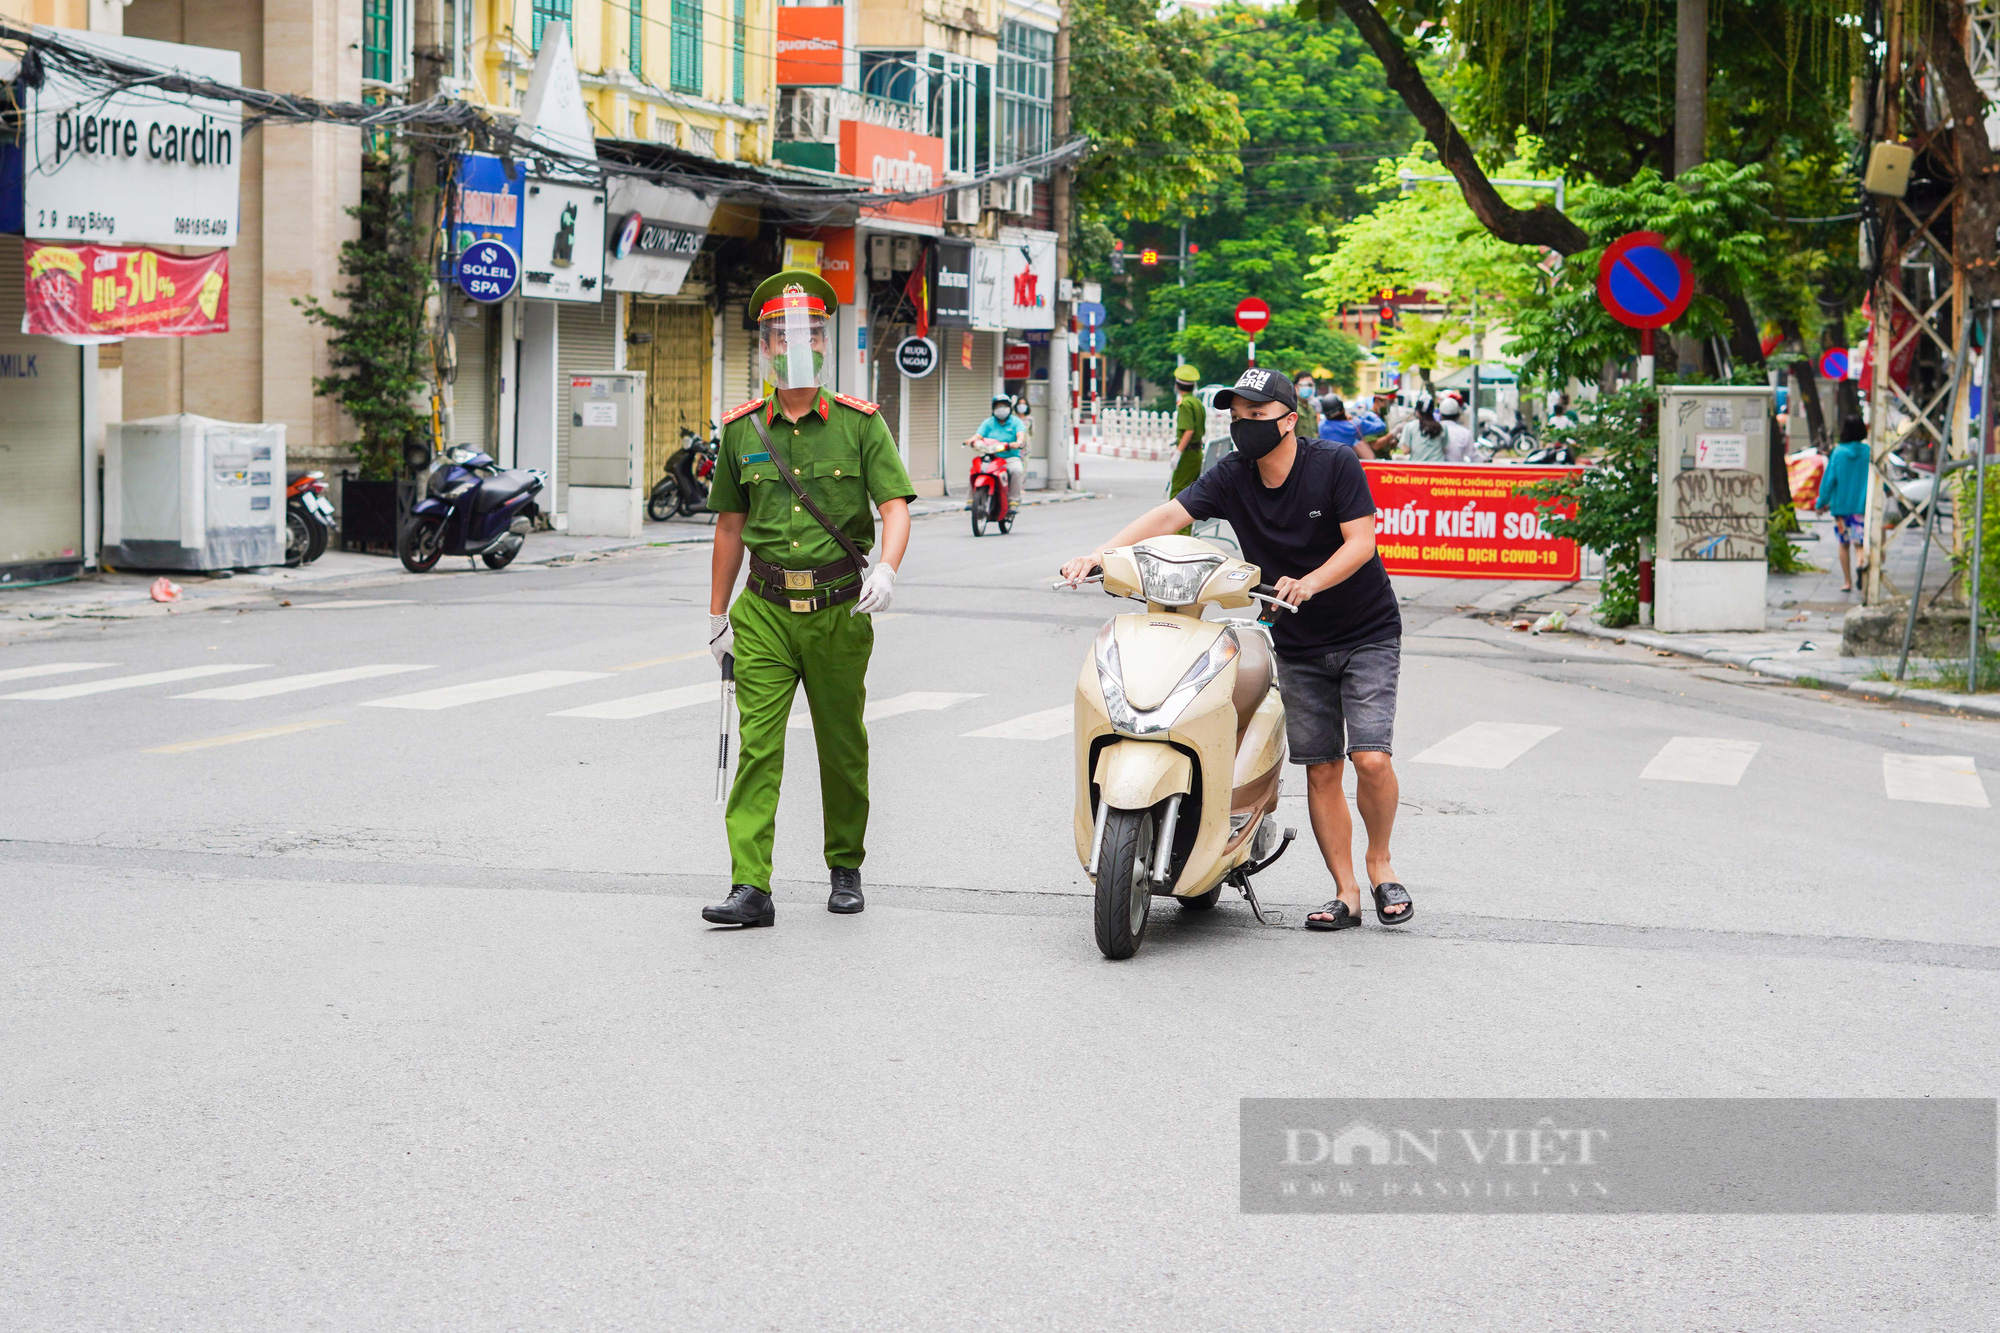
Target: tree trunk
1973,231
1805,380
1541,225
1745,347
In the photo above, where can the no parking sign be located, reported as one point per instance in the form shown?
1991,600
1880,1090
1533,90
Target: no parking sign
1642,283
1833,363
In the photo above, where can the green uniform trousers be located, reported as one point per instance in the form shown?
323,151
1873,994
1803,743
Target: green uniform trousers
776,649
1187,466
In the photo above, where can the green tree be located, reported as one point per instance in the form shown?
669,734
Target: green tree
379,349
1161,134
1609,507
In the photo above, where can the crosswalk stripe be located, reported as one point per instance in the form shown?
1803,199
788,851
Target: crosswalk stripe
51,669
262,733
478,691
261,689
661,661
1043,726
1939,779
1701,759
1487,744
78,690
645,705
917,701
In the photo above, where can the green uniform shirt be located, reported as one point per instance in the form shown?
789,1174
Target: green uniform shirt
843,457
1191,416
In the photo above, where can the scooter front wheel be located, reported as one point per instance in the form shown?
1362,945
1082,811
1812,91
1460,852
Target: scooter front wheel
1124,897
420,544
665,501
980,500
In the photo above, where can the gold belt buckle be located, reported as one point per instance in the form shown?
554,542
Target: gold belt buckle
798,605
798,580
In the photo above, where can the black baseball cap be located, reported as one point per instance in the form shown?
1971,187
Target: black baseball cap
1259,386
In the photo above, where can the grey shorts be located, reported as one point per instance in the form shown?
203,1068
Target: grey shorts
1340,702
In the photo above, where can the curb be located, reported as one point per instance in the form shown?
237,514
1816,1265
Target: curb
1764,664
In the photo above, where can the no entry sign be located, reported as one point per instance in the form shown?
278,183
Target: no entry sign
1642,283
1252,315
1833,363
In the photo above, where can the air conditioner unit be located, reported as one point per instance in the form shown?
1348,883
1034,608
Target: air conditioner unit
964,206
1024,195
878,258
999,196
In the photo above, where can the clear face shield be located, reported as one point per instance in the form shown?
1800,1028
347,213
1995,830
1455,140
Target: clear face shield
793,345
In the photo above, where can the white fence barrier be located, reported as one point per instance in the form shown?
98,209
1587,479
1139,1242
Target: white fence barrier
1128,433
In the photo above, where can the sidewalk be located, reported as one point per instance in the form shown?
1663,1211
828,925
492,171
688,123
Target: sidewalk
117,595
1801,640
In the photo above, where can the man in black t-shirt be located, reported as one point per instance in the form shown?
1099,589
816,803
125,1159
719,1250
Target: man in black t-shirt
1304,516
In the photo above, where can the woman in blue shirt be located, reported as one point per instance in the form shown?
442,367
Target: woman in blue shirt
1843,491
1001,428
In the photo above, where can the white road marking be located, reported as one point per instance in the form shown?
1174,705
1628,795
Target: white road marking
51,669
261,689
1940,779
1487,745
479,691
233,738
918,701
82,688
662,661
645,705
1043,726
355,605
1701,759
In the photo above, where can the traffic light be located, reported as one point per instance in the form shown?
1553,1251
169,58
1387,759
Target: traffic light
1193,249
1149,257
1388,316
1118,261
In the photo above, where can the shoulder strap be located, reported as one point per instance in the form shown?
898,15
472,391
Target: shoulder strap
785,473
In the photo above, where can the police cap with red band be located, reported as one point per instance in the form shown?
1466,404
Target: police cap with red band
793,289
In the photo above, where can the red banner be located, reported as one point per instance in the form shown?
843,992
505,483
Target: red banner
1464,521
125,291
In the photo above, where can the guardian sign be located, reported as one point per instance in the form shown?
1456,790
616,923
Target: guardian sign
488,271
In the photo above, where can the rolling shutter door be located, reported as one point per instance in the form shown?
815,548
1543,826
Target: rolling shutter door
968,393
677,368
41,435
921,423
586,340
471,383
740,378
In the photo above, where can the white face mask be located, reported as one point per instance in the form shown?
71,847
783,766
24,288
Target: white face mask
1002,413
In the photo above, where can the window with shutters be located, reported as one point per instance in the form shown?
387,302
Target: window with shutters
378,40
1027,77
547,12
687,46
635,38
738,42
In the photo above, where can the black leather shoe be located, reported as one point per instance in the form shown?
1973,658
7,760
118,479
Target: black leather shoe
746,906
846,895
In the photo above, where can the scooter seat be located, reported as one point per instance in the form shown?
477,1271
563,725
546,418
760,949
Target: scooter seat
498,489
1254,670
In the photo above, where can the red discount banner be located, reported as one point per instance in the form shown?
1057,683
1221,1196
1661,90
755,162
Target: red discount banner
1465,521
125,291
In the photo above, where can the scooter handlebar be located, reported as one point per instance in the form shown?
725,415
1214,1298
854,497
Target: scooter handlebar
1268,592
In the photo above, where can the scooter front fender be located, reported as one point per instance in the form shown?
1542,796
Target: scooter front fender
1134,775
431,507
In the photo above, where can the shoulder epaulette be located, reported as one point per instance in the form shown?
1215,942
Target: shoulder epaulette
736,412
858,404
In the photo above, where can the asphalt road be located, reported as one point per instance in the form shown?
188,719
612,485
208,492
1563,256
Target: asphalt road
403,1016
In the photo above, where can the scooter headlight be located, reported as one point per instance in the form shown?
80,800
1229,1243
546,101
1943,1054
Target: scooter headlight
1132,721
1173,582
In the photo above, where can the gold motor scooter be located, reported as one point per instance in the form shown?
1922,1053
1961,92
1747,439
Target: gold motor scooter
1180,739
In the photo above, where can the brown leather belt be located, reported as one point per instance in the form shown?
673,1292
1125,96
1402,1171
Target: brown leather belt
801,580
811,602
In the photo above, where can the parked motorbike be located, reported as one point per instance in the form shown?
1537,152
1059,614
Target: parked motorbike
1494,439
1180,739
988,489
308,518
683,488
1551,455
470,507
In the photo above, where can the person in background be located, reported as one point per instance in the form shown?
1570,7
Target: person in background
1423,437
1025,415
1308,406
1843,492
1190,424
1001,429
1369,430
1334,427
1457,435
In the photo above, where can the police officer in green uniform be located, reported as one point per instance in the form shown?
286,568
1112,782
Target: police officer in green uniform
803,614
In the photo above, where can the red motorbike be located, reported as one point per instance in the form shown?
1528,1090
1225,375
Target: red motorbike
309,518
989,494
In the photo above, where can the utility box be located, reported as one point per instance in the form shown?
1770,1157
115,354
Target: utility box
607,453
189,492
1709,566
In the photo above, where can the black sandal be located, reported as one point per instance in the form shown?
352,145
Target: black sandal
1344,917
1391,894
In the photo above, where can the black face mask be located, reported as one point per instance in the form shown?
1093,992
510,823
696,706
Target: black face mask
1256,438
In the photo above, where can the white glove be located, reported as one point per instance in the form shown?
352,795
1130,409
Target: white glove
721,638
877,590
